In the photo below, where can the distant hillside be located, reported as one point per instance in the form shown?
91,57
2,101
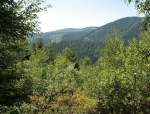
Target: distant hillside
128,27
88,41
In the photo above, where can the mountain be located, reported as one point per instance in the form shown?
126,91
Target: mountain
128,28
88,41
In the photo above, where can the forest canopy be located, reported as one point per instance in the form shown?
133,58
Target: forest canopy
34,81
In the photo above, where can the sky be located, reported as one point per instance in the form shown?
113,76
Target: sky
83,13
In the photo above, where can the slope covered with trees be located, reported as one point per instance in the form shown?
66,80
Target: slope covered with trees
127,27
88,41
117,83
33,81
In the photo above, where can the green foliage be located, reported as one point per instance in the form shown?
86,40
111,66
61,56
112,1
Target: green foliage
120,79
35,70
143,7
86,61
69,54
18,20
36,82
12,53
118,83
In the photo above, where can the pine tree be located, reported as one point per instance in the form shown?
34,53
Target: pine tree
18,20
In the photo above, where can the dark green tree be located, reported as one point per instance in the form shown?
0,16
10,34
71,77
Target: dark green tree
18,21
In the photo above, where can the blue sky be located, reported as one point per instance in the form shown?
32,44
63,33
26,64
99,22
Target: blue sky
83,13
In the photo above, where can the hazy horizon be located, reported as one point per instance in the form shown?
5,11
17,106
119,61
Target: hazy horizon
75,14
88,26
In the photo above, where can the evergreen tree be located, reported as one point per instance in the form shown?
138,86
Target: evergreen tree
18,20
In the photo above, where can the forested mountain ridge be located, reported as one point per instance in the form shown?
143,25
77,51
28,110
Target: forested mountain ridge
34,81
128,27
87,41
